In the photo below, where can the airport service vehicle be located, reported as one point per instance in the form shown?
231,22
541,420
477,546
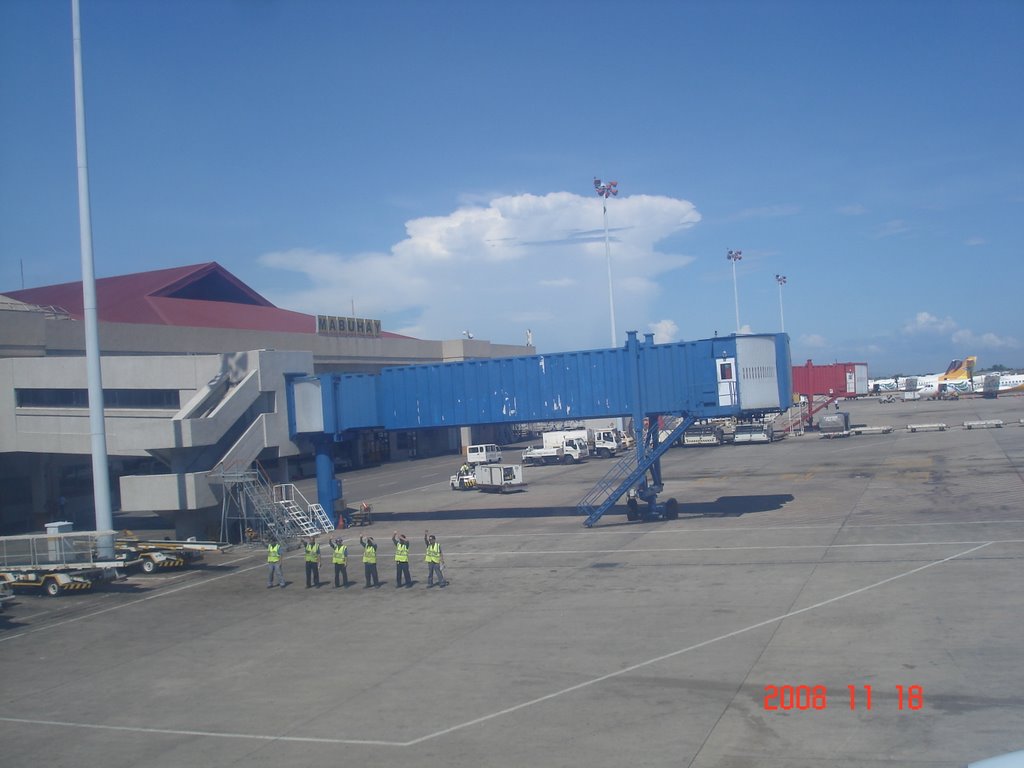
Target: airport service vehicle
464,479
156,554
498,478
6,594
483,454
603,443
834,424
557,450
706,434
753,433
60,562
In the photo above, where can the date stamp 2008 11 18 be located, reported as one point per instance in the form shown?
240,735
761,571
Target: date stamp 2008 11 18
806,697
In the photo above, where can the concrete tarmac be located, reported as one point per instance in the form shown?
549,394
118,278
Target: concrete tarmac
798,572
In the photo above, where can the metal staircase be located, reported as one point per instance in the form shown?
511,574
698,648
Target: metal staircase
320,517
250,489
265,512
311,519
629,472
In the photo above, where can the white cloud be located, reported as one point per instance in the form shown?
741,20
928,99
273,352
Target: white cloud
973,241
665,331
925,322
968,338
521,259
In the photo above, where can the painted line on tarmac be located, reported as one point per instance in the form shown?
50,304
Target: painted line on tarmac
673,654
650,550
507,710
211,734
731,531
119,606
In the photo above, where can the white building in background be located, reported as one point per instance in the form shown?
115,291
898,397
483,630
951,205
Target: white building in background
193,366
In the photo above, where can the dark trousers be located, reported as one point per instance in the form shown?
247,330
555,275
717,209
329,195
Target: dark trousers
370,569
340,570
312,574
402,569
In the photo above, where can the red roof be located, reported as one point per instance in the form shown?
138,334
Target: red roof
197,296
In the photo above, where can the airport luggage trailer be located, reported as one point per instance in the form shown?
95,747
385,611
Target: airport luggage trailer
157,554
55,563
60,579
880,430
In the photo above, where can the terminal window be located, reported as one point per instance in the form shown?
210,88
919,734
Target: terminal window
112,398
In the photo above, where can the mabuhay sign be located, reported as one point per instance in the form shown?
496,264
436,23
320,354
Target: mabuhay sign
333,325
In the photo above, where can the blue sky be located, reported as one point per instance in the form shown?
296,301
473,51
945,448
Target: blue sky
431,164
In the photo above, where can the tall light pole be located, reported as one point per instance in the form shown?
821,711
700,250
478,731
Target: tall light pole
100,472
781,280
604,191
735,256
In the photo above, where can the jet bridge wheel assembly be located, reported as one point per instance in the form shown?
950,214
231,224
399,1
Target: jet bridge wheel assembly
632,510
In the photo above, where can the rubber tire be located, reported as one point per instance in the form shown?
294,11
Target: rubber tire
671,509
51,587
567,459
604,453
148,566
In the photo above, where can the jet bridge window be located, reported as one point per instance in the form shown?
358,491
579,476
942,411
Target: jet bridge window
725,371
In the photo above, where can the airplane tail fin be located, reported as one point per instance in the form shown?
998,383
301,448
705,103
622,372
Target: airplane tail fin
960,370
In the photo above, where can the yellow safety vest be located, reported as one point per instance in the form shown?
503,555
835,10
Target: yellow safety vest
370,555
401,552
340,555
273,553
312,553
433,553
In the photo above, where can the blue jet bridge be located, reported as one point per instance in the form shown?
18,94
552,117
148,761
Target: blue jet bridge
742,376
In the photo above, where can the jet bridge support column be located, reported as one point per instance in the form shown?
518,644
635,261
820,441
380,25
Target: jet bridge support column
328,488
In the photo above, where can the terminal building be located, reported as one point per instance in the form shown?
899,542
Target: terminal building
177,343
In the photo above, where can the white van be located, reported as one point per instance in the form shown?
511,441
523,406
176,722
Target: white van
483,454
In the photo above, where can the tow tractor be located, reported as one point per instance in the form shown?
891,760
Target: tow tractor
56,563
157,554
464,479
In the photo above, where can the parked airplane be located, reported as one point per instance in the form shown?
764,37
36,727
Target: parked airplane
995,384
959,378
956,378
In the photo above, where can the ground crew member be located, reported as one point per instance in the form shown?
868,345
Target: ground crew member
340,558
369,561
274,565
401,559
434,560
312,563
